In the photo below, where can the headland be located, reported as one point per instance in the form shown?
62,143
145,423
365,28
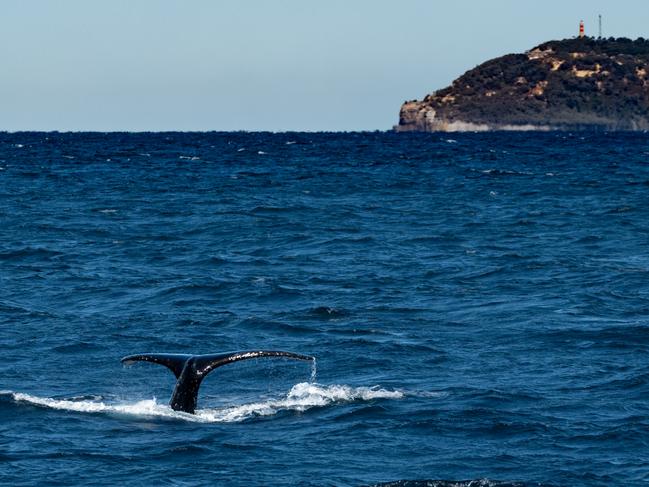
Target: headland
571,84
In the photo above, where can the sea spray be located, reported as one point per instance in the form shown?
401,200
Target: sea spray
301,397
314,370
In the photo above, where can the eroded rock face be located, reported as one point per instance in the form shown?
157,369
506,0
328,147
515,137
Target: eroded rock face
572,84
421,117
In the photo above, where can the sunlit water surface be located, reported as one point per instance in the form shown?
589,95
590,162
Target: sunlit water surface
477,305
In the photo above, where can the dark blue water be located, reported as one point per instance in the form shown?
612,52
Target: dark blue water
478,306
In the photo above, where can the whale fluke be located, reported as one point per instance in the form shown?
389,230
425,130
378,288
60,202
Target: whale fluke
190,370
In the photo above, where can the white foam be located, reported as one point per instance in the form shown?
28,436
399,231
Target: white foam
148,407
301,397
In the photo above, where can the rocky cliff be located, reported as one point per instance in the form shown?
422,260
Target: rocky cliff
570,84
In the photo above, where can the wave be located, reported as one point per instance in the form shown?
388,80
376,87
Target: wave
327,313
301,397
78,347
35,253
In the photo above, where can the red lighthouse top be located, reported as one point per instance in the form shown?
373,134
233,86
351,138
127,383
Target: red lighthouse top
582,31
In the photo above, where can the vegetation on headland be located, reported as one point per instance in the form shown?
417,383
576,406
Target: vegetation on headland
572,83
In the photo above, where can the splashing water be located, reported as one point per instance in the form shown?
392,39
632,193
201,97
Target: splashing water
301,397
314,370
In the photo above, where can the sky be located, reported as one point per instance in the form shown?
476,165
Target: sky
278,65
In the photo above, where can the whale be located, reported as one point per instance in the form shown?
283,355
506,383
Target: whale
190,370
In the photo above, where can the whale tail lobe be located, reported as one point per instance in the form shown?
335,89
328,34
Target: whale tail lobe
190,370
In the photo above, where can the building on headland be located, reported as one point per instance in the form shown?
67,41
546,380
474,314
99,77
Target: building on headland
582,30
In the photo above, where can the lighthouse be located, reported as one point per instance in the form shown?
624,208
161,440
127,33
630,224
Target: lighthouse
582,32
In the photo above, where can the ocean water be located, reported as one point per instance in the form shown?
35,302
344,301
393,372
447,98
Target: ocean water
478,305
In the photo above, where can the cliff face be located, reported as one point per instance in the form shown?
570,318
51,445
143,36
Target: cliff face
571,84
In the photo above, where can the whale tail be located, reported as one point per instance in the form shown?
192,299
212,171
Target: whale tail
190,370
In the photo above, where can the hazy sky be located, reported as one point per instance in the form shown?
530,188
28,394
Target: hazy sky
261,64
